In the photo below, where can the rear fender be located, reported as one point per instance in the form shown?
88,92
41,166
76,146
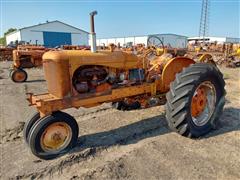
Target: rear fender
207,58
170,70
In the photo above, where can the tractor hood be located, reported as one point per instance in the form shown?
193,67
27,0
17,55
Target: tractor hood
116,59
59,66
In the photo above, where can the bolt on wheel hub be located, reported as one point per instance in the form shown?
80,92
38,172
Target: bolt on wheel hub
56,137
199,102
19,76
203,103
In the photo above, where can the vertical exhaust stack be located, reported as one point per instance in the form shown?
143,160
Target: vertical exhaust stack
92,33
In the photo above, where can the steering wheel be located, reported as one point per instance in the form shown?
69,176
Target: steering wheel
155,41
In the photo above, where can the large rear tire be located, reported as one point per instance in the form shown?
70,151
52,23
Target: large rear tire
53,135
195,100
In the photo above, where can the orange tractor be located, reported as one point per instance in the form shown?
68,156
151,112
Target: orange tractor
194,93
25,56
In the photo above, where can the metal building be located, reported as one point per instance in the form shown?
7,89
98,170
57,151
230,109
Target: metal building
50,34
172,40
212,39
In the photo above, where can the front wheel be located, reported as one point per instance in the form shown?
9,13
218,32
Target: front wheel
18,75
28,125
53,135
195,100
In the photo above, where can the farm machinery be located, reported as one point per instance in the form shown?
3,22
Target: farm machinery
73,47
25,56
29,56
6,53
193,92
227,54
231,59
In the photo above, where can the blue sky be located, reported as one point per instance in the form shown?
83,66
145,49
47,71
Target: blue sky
125,18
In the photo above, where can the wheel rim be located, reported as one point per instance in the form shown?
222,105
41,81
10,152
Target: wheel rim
203,103
56,137
19,76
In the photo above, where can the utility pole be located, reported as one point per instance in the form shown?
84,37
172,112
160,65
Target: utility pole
204,21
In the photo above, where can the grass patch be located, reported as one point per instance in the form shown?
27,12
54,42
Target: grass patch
226,76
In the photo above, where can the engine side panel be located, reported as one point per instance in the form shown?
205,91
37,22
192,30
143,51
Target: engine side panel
56,71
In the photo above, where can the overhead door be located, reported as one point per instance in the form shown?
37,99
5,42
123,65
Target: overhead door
53,39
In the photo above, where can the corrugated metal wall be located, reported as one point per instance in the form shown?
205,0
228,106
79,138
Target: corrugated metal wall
233,40
123,40
13,37
175,41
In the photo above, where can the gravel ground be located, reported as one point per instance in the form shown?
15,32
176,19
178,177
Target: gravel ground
119,145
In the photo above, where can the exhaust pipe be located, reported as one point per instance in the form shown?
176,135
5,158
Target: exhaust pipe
92,33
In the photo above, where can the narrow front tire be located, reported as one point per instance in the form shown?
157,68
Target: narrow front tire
28,125
53,135
19,75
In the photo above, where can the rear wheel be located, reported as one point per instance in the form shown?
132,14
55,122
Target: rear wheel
53,135
195,100
19,75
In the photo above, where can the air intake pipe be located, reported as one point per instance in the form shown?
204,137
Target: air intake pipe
92,33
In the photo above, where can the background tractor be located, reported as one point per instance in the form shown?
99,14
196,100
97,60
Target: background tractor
226,54
193,92
25,56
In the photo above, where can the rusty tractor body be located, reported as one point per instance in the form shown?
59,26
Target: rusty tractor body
85,79
193,92
87,68
26,56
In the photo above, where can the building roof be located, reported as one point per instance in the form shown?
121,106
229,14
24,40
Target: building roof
47,23
166,34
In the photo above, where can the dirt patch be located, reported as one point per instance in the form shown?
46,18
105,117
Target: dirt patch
12,134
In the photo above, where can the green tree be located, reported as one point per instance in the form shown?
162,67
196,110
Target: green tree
3,39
